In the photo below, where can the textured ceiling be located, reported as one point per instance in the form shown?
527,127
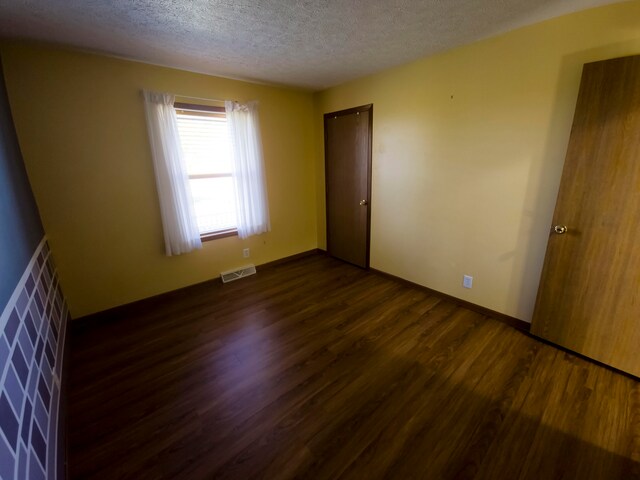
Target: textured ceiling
305,43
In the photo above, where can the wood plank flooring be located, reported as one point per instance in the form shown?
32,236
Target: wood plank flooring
317,369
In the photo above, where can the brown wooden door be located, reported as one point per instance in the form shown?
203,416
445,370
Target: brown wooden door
589,296
347,137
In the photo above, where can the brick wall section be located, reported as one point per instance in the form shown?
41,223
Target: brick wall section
32,333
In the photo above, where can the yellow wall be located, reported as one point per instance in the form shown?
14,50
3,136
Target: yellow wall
468,148
81,126
467,158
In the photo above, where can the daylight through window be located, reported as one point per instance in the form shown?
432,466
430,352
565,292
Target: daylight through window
206,148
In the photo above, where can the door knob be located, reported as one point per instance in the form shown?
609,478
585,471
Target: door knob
363,202
560,229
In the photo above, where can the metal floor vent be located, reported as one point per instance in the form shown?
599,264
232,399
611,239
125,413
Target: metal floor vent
237,274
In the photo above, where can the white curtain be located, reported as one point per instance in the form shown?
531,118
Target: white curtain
249,176
181,234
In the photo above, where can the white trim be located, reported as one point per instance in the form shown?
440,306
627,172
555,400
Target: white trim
62,336
20,286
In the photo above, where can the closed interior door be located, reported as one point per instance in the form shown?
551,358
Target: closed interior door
348,183
589,296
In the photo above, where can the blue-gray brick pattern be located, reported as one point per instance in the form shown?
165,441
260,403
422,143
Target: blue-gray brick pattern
31,346
7,460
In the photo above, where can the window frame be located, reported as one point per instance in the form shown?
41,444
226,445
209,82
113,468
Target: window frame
193,107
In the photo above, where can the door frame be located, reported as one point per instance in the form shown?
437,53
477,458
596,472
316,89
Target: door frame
349,111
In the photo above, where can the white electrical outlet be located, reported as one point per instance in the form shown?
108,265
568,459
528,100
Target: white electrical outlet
467,281
245,253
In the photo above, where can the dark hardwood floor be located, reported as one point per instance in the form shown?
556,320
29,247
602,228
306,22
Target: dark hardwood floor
317,369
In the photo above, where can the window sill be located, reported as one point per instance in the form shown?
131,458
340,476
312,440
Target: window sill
206,237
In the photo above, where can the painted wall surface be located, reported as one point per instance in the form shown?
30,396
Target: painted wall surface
32,343
81,125
33,320
20,226
468,149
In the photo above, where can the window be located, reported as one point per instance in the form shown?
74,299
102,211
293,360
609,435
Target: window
206,148
230,183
